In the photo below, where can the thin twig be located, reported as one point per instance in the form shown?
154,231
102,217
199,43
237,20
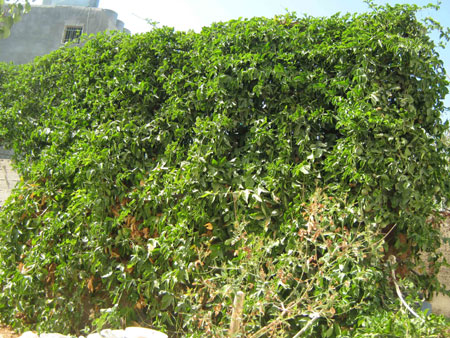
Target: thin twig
265,329
277,321
314,316
280,318
399,293
386,234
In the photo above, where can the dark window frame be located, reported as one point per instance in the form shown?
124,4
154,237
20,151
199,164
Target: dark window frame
72,33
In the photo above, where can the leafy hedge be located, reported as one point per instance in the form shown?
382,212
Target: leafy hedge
285,157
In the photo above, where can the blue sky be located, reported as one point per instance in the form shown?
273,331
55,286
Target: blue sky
194,14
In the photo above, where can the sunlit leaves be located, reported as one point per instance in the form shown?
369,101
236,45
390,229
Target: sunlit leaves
10,14
164,171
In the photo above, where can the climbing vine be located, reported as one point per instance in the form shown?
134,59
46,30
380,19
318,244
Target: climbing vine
287,158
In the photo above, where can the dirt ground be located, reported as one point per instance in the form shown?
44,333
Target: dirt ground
7,332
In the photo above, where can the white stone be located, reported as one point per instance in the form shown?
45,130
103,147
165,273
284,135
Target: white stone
52,335
112,333
29,334
141,332
94,335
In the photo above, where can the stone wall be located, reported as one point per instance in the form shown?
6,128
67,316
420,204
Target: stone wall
8,177
441,303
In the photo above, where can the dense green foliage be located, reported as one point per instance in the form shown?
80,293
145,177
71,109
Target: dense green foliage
10,14
286,157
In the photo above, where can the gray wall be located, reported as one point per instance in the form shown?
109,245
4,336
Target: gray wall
42,29
86,3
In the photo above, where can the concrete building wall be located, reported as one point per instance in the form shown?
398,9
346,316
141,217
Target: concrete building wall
85,3
42,30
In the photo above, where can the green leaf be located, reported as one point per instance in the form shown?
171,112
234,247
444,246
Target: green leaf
166,301
305,169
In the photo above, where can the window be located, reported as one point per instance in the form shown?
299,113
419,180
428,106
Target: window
72,33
